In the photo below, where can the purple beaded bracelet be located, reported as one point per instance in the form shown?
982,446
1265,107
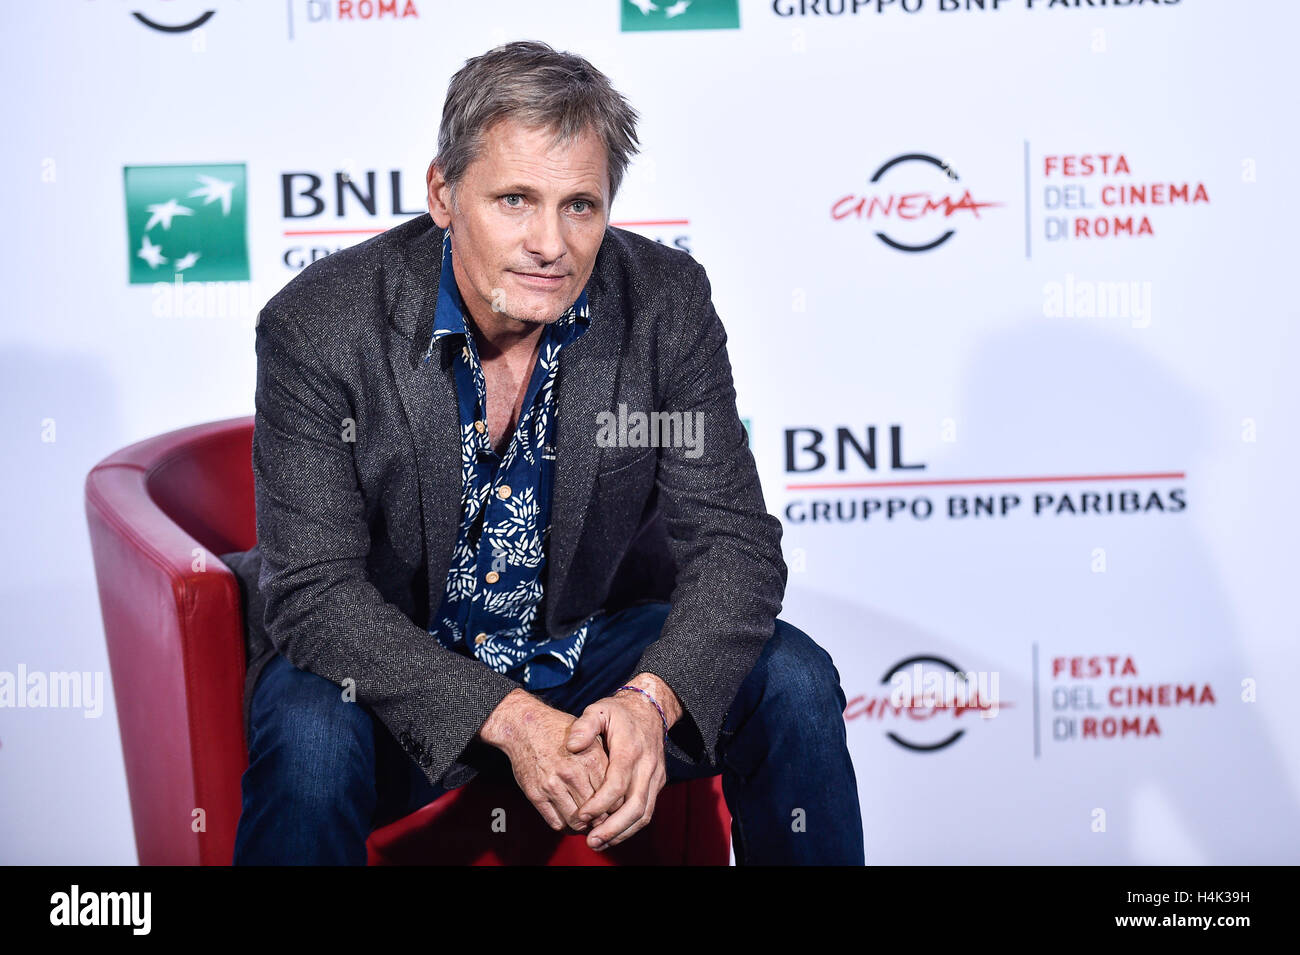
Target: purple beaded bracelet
656,704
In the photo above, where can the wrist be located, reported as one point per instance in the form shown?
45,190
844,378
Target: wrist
669,709
504,727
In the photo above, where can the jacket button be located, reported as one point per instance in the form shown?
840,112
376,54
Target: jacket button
492,577
480,427
480,638
503,491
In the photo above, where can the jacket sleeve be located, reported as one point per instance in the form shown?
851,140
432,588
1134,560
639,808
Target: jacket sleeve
322,612
731,576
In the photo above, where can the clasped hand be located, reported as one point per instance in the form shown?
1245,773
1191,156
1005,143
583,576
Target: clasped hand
604,769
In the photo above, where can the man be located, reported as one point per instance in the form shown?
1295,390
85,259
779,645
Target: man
462,566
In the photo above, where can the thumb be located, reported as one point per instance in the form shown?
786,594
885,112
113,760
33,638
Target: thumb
581,732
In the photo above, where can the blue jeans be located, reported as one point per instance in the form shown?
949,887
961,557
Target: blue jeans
324,773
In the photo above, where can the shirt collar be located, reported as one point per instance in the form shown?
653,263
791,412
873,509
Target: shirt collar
449,315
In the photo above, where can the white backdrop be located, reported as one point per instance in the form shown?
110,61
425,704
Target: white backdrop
1128,389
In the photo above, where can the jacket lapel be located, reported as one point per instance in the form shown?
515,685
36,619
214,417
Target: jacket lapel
585,386
428,393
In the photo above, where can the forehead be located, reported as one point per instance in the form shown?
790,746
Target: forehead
512,150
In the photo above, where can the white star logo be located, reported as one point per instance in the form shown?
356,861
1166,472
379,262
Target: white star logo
151,253
164,211
214,189
186,261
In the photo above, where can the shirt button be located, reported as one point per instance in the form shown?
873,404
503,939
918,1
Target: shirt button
480,638
503,491
480,427
492,577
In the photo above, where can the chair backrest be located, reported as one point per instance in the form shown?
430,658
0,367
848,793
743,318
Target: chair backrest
159,512
205,485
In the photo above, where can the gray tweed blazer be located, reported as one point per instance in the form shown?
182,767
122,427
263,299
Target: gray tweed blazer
357,472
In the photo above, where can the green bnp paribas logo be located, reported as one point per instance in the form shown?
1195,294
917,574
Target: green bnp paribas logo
187,220
681,15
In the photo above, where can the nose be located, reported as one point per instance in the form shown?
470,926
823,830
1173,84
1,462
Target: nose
544,239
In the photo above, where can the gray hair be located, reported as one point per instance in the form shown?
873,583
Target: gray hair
531,83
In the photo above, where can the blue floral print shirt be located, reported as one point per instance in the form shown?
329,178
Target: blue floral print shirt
492,604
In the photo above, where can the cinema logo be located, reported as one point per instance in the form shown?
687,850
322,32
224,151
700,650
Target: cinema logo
1097,196
929,697
166,18
916,202
1104,698
327,211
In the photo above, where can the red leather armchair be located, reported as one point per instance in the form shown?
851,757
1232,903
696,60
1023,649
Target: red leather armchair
159,512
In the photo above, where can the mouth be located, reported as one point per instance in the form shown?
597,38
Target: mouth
541,280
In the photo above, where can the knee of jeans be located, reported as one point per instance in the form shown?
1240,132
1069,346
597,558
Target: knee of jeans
307,739
801,671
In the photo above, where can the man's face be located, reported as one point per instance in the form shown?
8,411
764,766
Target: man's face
524,211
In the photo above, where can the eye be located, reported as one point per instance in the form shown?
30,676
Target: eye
512,195
582,202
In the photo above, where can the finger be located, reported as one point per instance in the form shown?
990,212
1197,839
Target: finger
628,815
640,823
542,803
613,788
579,790
604,815
564,804
618,777
581,774
595,778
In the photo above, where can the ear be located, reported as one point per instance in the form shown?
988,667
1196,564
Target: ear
438,196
